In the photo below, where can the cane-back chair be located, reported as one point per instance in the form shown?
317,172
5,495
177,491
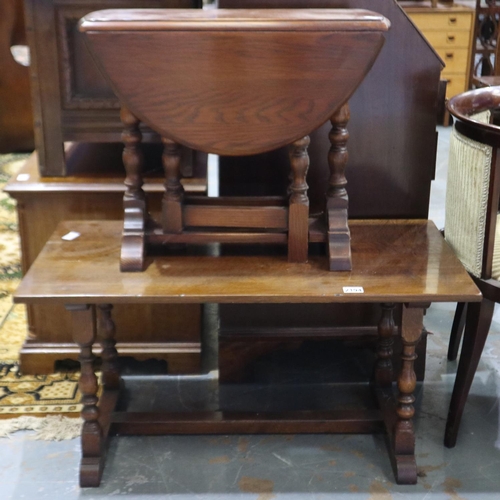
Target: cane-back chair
473,230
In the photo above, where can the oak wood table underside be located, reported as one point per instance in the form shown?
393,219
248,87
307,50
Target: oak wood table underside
403,264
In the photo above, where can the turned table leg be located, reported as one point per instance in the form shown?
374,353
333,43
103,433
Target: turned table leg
174,192
339,238
110,369
386,328
84,333
298,209
403,434
96,419
398,412
134,199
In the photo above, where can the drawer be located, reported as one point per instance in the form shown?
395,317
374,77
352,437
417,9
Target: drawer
443,21
456,84
456,60
450,38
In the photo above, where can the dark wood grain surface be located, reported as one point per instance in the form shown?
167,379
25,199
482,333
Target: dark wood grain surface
405,261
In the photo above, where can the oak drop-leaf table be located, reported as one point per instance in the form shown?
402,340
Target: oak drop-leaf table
234,82
398,264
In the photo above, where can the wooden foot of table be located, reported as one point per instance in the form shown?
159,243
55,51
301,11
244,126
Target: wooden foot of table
133,249
92,467
339,239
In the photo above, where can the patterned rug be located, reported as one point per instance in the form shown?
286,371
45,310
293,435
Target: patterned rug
23,394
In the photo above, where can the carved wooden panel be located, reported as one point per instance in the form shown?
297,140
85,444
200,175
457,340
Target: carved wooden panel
82,85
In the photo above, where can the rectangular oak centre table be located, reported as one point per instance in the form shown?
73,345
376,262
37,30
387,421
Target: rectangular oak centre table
399,264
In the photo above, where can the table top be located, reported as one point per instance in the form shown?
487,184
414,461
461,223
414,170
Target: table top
231,19
234,82
394,261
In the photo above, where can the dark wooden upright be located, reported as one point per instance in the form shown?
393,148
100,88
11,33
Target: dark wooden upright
134,200
235,82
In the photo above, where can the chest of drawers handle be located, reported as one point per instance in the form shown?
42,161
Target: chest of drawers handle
450,38
452,20
449,55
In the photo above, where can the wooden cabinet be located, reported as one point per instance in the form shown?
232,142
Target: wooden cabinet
96,194
73,103
71,99
449,31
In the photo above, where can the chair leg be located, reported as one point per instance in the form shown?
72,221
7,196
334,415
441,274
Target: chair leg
457,330
477,325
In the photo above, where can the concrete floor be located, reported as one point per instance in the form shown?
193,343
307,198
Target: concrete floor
286,467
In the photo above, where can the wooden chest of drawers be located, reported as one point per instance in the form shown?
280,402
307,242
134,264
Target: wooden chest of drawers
449,31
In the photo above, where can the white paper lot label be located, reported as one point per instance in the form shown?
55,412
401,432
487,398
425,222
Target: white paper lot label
353,289
72,235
